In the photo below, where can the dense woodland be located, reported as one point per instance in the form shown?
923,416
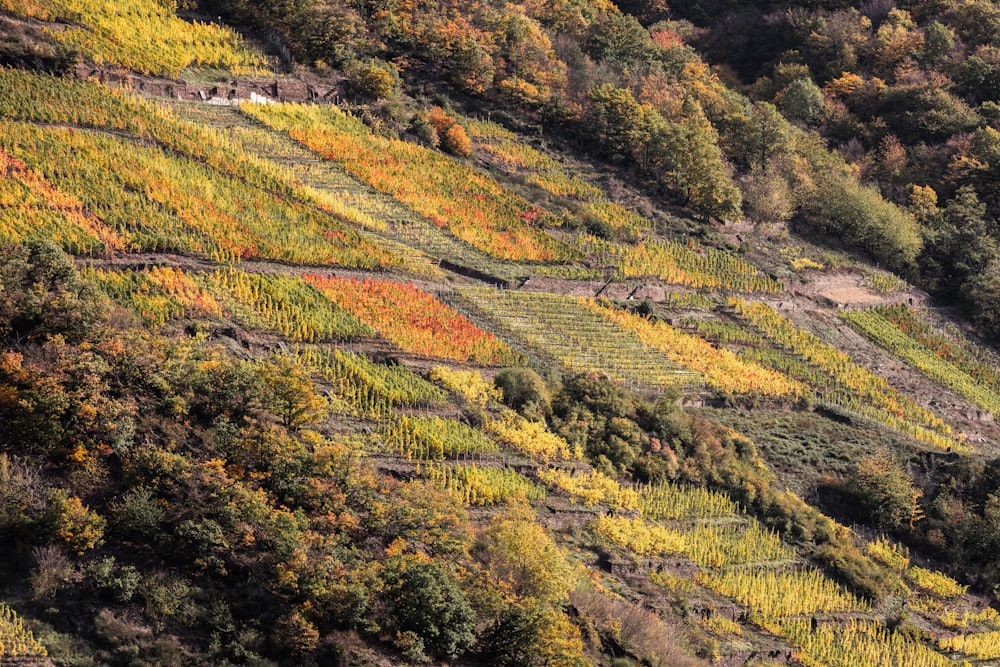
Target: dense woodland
567,336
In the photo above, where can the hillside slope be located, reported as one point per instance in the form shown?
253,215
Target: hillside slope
387,382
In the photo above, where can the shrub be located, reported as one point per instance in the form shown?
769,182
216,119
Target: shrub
525,391
374,78
426,601
453,138
75,524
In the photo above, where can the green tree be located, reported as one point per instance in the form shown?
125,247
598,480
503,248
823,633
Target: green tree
524,390
802,100
617,120
424,599
41,294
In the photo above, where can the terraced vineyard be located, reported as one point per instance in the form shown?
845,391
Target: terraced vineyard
828,372
939,357
143,35
276,374
344,195
472,206
565,329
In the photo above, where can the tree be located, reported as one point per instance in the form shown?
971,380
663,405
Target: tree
699,170
525,391
425,600
523,555
802,100
616,120
868,221
41,294
982,293
885,492
74,524
374,78
290,393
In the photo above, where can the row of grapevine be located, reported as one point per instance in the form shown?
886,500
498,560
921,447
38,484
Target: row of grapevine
479,485
156,295
591,487
16,641
284,303
859,643
835,378
883,333
414,320
469,384
723,545
505,150
507,426
153,200
567,329
434,438
370,390
470,204
32,207
979,645
772,594
529,437
638,536
684,503
724,370
142,35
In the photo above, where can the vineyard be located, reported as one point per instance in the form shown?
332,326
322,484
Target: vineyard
507,151
367,389
472,206
314,384
836,379
724,371
142,35
568,330
802,591
857,644
157,295
414,320
478,485
16,641
434,438
151,200
349,198
677,263
935,355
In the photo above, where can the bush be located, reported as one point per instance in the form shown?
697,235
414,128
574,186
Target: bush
453,138
426,601
421,126
456,141
525,391
374,78
74,524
